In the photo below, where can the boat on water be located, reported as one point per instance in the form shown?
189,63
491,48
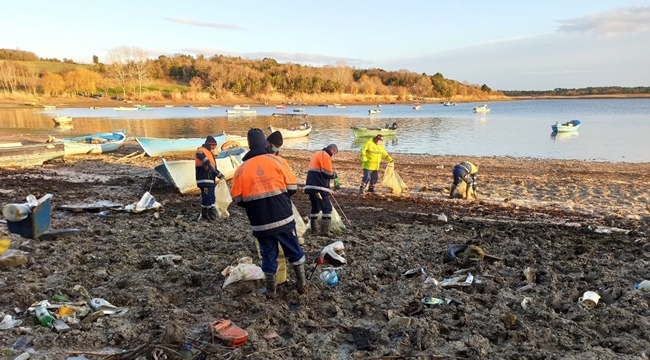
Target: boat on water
161,146
374,112
280,107
417,107
59,120
299,110
202,107
181,173
19,155
449,103
92,144
303,130
482,109
241,112
388,130
241,107
569,126
49,107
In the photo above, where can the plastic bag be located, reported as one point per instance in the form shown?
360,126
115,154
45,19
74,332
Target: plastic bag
301,227
245,270
392,180
223,199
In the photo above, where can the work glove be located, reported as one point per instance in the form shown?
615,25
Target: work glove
221,177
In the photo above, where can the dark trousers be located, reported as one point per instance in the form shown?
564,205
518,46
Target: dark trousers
369,176
207,196
269,250
318,205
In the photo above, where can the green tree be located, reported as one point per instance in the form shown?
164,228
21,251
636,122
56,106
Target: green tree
485,88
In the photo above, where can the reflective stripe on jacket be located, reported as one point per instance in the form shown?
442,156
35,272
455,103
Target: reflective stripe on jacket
320,172
263,185
371,155
468,168
206,167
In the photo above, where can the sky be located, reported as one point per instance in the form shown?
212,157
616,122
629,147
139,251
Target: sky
508,45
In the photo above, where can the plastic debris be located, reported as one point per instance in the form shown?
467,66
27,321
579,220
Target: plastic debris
147,202
9,322
245,270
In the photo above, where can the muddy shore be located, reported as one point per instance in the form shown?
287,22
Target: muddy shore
579,226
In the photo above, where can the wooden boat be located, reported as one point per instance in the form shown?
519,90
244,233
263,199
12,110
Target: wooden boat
62,120
234,141
374,112
92,144
29,155
482,109
161,146
303,130
181,173
569,126
388,130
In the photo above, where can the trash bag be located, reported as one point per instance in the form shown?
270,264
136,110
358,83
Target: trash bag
336,226
245,270
459,193
223,199
301,227
392,180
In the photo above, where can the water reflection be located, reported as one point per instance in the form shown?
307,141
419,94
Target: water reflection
564,136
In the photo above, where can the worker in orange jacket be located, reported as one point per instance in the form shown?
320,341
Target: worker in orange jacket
206,173
317,187
263,185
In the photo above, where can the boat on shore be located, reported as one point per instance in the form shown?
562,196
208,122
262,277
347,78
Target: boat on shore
19,155
161,146
303,130
569,126
92,144
60,120
181,173
388,130
482,109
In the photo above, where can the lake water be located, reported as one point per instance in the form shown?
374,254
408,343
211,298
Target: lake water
612,129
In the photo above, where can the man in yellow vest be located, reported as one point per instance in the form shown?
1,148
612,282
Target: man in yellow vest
372,152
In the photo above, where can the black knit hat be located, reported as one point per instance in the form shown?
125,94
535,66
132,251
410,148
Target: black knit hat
255,138
275,139
210,140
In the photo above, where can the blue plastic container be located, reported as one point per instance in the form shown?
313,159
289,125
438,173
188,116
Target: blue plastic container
37,223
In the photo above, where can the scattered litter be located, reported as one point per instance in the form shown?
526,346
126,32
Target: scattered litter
147,202
414,272
271,335
99,304
524,303
452,252
525,288
643,285
95,207
60,326
245,270
433,301
169,258
442,217
430,280
329,277
331,254
9,322
230,334
23,356
589,299
13,258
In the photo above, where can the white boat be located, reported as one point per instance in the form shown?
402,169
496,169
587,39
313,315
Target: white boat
241,112
482,109
60,120
241,107
202,108
417,107
49,107
181,173
123,108
303,130
374,112
569,126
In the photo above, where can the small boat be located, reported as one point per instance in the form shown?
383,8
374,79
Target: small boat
62,120
92,144
123,108
142,107
286,114
280,107
388,130
169,106
241,107
569,126
417,107
181,173
242,112
202,108
234,141
299,110
303,130
482,109
374,112
49,107
449,103
161,146
18,155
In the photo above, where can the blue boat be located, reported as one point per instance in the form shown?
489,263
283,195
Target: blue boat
569,126
161,146
92,144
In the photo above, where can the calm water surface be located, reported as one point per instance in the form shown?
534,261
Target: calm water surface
612,129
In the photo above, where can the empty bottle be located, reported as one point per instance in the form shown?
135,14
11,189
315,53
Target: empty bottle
329,277
15,212
337,183
44,316
643,285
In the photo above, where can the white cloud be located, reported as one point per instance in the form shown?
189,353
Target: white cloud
205,24
632,19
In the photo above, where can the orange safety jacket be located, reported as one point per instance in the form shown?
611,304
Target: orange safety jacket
263,185
320,172
206,167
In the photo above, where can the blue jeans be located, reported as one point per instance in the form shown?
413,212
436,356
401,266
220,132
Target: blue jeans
207,196
269,250
369,176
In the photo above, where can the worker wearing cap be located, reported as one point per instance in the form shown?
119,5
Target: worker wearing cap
372,152
274,142
206,173
467,172
317,187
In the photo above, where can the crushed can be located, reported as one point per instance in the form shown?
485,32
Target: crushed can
230,334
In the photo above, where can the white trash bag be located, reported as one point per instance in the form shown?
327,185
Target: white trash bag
245,270
224,198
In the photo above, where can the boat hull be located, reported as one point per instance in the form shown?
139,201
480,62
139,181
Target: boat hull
94,144
30,155
569,126
291,134
161,146
370,132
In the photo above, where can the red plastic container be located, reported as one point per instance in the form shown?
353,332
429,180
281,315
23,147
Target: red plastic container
230,334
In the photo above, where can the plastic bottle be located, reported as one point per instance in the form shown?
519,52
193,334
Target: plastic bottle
337,183
15,212
329,277
32,201
643,285
44,316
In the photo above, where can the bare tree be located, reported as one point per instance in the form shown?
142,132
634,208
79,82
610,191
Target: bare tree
118,66
8,76
31,78
140,68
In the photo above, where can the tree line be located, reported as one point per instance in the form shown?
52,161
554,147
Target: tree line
129,71
588,91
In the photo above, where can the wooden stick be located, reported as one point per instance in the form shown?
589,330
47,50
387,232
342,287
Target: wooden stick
127,156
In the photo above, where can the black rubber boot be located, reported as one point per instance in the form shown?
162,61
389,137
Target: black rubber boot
325,228
269,290
204,213
361,188
212,214
300,278
313,222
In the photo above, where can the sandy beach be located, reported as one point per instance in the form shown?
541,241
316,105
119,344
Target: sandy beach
579,226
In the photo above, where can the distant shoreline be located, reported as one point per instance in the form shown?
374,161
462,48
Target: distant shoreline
600,96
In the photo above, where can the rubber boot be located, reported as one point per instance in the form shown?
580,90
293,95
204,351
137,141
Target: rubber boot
325,228
371,189
361,188
300,278
313,222
451,192
212,214
269,290
204,213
